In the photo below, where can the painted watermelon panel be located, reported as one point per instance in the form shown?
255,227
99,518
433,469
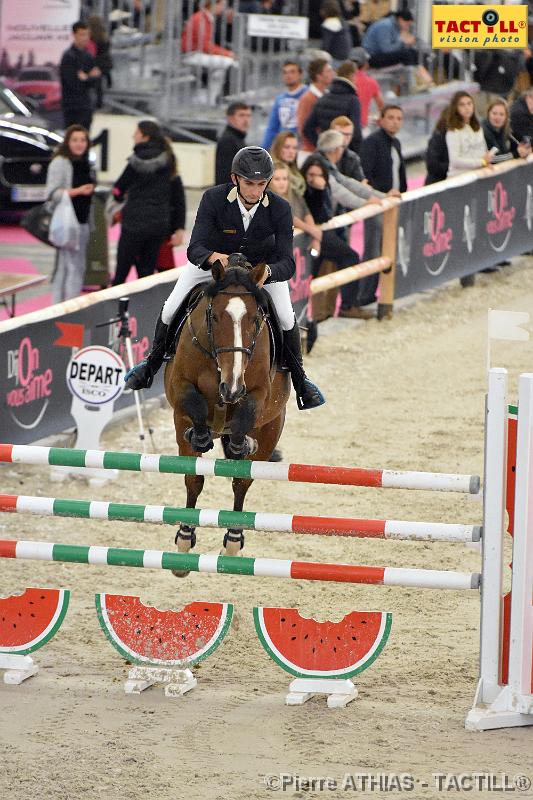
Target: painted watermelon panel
306,648
145,635
29,620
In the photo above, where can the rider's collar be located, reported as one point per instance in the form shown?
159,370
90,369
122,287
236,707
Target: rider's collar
234,193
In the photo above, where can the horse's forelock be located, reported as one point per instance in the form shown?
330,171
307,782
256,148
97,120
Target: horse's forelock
238,277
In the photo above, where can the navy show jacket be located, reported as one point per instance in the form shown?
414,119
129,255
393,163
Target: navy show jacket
219,229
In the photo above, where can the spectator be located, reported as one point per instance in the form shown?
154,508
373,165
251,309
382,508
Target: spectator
390,41
100,49
232,139
464,136
301,216
437,161
336,36
381,154
496,72
346,192
197,42
498,135
321,75
384,167
522,117
70,171
367,88
146,185
333,245
350,163
341,100
285,149
283,114
78,74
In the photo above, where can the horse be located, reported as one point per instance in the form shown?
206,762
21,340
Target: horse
223,382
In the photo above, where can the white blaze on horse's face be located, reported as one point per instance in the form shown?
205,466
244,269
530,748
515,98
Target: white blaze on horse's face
236,308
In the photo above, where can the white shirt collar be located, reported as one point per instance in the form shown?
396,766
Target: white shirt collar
245,213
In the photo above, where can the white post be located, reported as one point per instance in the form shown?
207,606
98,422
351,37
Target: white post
495,471
513,704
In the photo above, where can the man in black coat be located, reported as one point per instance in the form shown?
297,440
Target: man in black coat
384,167
232,139
240,217
341,100
78,78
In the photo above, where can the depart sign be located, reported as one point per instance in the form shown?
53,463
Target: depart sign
479,26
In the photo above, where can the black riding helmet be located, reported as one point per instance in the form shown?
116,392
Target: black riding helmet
253,163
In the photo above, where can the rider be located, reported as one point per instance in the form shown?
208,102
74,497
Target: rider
240,217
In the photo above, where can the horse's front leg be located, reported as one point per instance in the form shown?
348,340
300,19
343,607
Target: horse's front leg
194,405
245,416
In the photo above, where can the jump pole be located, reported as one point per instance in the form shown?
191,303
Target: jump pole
226,468
250,520
235,565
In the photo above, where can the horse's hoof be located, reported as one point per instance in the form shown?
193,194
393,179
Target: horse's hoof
200,444
231,549
180,573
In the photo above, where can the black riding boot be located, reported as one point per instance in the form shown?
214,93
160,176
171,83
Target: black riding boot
142,375
308,395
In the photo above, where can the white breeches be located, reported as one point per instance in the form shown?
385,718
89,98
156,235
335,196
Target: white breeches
192,275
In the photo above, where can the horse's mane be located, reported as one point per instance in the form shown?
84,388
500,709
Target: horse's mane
236,276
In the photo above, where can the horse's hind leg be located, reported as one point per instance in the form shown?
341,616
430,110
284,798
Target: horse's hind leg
186,534
267,439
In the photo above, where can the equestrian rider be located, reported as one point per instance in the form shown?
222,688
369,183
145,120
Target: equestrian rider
240,217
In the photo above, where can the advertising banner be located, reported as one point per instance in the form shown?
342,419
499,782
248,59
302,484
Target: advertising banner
452,233
33,36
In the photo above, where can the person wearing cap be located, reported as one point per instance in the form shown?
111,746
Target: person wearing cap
367,87
241,217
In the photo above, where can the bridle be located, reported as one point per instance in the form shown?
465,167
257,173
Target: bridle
214,351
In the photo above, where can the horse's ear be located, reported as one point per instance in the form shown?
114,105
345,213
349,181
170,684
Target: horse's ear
257,272
217,271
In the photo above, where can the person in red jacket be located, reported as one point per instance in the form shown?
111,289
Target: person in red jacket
197,40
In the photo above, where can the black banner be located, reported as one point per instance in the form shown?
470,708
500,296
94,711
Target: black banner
458,231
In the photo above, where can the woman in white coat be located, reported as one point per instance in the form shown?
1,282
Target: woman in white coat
70,171
465,140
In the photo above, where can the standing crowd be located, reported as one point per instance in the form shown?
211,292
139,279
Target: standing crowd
326,160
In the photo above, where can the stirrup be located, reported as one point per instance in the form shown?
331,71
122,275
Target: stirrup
309,395
141,376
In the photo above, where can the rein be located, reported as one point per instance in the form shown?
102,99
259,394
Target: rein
214,352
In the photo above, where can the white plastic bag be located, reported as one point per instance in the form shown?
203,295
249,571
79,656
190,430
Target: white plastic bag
64,226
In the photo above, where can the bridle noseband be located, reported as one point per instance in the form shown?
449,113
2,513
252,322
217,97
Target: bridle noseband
215,351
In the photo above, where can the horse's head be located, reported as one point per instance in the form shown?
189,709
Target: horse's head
235,318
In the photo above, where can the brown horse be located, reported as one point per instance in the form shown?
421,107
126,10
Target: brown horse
221,383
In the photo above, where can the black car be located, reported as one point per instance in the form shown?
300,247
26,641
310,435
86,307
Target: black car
26,147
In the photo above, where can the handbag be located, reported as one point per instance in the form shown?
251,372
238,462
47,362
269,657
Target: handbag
37,221
64,225
165,259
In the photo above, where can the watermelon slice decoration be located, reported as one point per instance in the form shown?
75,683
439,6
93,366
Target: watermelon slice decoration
145,635
29,620
306,648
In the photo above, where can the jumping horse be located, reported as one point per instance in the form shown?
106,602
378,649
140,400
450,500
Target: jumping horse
223,381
